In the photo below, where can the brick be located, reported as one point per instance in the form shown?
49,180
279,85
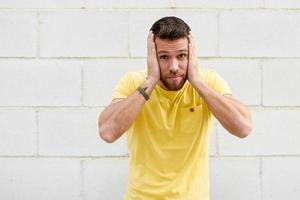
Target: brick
234,178
40,83
45,179
102,76
243,77
218,4
84,35
275,132
282,4
129,4
280,178
105,178
75,133
41,4
254,33
280,83
18,35
202,24
18,132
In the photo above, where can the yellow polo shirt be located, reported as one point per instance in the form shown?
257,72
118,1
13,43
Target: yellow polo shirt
168,141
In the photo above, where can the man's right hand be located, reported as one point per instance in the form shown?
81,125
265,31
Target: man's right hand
152,62
117,117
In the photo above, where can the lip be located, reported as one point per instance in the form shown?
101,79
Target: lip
174,77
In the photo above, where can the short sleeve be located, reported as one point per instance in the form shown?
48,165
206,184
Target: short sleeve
220,85
124,88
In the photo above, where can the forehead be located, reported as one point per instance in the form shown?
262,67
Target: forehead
163,45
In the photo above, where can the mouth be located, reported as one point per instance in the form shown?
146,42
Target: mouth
174,77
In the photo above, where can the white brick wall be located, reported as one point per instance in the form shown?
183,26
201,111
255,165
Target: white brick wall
31,178
219,3
105,178
98,86
277,172
282,4
42,4
243,76
235,178
129,4
40,83
15,27
18,132
259,33
61,59
275,132
95,34
74,133
280,82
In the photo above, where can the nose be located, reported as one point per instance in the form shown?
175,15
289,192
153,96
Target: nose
173,66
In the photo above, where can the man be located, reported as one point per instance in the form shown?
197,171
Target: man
167,112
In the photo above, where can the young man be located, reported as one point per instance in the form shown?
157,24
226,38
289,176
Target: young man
167,112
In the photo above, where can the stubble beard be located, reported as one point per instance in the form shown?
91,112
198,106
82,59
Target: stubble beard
171,85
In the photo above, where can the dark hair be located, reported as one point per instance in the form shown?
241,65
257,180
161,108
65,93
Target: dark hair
171,28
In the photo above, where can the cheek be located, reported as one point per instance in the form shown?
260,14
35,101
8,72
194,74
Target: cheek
183,65
163,66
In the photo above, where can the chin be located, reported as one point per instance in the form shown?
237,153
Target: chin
173,86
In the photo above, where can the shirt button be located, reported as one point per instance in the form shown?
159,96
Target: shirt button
192,109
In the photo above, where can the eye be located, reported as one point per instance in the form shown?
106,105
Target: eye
181,56
163,57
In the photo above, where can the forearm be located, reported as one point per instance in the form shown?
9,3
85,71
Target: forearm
118,116
233,115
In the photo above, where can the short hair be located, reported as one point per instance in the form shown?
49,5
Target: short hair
171,28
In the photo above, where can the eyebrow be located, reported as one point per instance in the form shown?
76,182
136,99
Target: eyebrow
180,51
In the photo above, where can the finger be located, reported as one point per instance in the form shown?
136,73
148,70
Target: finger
150,43
149,35
191,39
190,46
191,52
190,36
193,45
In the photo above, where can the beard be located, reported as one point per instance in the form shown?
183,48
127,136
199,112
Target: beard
173,85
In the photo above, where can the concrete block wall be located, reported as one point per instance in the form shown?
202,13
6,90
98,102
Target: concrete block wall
61,59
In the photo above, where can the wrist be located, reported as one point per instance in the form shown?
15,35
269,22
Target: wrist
195,80
142,92
152,81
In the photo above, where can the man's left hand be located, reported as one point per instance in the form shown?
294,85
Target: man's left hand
192,72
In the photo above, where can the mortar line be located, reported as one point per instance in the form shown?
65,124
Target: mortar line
125,156
257,156
39,157
254,107
137,57
161,9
